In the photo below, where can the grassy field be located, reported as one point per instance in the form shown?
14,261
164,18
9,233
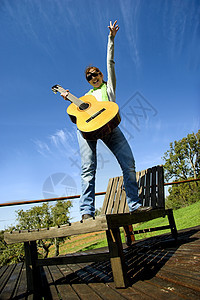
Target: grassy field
184,217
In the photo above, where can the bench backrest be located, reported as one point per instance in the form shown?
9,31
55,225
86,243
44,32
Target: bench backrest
150,186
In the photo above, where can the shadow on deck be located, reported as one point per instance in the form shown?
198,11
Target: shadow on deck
157,268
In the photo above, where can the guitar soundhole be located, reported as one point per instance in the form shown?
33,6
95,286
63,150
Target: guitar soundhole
83,106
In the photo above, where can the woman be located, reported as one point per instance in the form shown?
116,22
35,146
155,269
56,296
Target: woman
115,141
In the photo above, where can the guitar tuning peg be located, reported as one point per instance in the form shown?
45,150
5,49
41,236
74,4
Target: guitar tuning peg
54,89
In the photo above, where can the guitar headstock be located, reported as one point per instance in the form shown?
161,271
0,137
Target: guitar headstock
58,88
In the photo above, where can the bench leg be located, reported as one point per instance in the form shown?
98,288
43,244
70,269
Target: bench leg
172,224
129,235
32,272
117,258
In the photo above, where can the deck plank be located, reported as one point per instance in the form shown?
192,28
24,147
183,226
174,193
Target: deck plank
179,291
62,287
156,293
3,270
130,293
51,291
20,291
5,277
10,287
181,280
85,292
158,268
105,292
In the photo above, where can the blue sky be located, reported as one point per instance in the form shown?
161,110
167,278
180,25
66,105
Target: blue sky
45,42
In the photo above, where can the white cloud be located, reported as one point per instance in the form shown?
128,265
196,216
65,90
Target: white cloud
64,138
62,143
58,138
42,147
130,12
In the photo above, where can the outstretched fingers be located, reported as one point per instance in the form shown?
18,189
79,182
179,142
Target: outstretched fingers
113,28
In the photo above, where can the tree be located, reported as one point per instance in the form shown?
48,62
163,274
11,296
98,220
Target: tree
97,212
60,216
182,162
183,158
182,195
43,216
10,254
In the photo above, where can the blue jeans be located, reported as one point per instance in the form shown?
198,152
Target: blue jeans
119,146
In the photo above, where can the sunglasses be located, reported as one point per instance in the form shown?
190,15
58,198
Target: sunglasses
90,75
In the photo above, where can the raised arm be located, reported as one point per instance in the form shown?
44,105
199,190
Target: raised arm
111,83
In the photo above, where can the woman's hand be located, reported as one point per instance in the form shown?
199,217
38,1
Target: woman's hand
64,95
113,28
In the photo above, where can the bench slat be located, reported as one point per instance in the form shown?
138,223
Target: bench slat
161,199
153,187
112,195
107,196
142,186
118,195
90,225
147,201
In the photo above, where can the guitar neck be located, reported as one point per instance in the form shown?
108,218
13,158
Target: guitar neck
78,102
74,99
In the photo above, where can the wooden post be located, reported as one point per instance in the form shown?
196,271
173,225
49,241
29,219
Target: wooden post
32,272
117,257
172,223
129,235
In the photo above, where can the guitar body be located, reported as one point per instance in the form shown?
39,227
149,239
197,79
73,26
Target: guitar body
96,118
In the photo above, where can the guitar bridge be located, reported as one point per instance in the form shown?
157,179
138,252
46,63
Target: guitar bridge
95,115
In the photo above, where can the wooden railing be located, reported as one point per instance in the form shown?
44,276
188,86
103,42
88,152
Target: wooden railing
78,196
45,200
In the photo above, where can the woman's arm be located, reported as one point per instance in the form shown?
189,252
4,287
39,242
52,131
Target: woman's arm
111,83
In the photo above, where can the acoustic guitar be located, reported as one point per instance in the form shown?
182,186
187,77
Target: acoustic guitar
93,118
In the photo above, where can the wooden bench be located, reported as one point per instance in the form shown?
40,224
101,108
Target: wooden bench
115,214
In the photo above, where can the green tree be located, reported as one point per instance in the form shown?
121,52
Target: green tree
97,212
182,160
183,194
60,216
43,216
10,254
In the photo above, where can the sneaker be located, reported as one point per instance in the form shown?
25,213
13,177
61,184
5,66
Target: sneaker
86,216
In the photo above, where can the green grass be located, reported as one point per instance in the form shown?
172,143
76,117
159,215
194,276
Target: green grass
96,245
76,243
185,217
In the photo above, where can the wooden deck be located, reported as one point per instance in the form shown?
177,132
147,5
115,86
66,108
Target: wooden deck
157,267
